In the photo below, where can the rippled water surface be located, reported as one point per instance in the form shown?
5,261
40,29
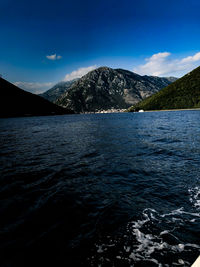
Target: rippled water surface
100,190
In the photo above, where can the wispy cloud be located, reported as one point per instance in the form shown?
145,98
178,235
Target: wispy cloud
162,64
53,57
34,87
78,73
194,58
38,88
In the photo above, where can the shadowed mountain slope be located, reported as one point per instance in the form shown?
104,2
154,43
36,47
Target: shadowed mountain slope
57,90
16,102
182,94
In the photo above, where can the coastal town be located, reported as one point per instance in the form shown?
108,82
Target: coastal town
112,110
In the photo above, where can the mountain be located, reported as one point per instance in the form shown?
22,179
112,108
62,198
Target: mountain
16,102
106,88
182,94
57,90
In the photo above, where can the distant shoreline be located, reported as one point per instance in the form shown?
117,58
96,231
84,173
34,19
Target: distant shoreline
124,111
170,110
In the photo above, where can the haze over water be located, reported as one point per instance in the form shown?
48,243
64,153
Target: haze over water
100,190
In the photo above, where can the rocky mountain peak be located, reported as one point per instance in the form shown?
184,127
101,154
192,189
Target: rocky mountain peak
106,88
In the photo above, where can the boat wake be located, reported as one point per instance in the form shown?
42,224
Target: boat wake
153,240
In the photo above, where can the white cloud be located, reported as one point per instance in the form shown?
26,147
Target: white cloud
194,58
38,88
161,64
53,57
78,73
160,56
34,87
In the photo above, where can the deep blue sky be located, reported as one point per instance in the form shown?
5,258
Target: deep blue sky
95,33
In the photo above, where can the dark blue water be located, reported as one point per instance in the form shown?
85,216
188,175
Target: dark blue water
100,190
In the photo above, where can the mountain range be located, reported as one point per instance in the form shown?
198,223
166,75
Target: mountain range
16,102
106,88
57,90
182,94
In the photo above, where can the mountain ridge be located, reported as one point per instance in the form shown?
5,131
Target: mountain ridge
106,88
182,94
57,90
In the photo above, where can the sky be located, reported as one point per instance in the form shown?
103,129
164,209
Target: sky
44,42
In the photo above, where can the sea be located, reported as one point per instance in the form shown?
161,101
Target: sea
117,189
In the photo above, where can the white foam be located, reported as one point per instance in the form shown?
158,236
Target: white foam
195,196
100,249
165,232
140,241
180,261
174,212
127,249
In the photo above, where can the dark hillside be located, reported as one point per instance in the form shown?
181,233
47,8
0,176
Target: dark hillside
182,94
16,102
